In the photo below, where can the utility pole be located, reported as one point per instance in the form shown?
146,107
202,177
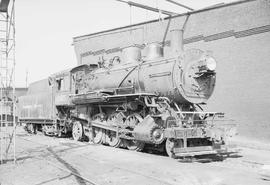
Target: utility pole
26,78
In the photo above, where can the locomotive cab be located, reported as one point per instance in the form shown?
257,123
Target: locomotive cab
61,86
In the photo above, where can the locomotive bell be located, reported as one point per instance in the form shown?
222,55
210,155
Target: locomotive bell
154,51
131,54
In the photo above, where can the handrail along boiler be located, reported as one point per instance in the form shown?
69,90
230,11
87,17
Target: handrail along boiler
134,101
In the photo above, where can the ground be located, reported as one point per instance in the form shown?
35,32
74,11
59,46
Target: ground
43,160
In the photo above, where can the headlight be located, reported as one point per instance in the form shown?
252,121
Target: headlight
211,64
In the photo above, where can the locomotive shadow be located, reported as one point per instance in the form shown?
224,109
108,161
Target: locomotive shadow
22,135
161,152
209,158
200,159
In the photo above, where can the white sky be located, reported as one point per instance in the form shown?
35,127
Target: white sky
44,29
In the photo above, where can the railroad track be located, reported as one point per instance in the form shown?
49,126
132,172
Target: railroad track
130,171
55,165
55,158
55,154
92,182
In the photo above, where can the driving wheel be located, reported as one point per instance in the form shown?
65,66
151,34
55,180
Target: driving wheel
77,131
113,140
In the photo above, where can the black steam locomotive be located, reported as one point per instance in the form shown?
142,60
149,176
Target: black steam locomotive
132,101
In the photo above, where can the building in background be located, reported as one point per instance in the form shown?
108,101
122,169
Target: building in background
6,114
238,35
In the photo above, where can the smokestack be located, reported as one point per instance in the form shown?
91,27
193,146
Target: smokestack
177,41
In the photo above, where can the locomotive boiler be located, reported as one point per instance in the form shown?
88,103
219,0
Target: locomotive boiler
184,78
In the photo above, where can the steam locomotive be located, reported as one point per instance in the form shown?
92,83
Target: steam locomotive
133,101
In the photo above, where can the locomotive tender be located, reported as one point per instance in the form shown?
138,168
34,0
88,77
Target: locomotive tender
132,101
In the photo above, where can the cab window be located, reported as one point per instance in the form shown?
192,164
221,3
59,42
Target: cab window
60,84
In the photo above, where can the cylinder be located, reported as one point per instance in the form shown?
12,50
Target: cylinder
154,51
148,131
177,41
131,54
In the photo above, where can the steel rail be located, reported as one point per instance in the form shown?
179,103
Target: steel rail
131,171
57,166
69,171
